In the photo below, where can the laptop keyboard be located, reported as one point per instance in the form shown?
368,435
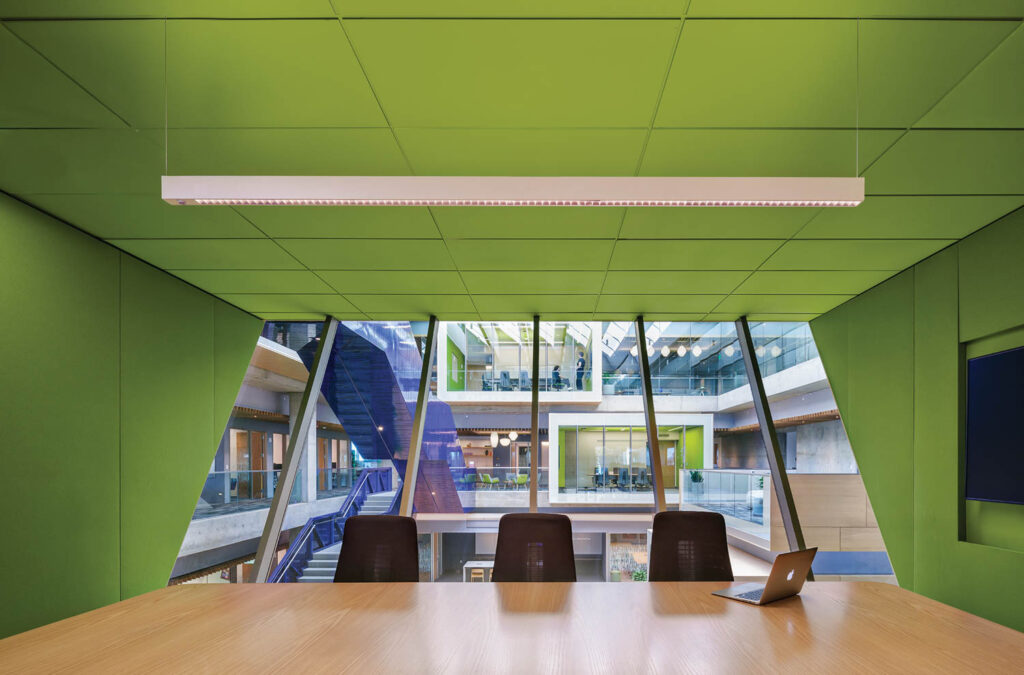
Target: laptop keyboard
753,596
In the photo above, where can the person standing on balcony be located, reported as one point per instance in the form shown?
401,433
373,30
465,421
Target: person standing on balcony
581,365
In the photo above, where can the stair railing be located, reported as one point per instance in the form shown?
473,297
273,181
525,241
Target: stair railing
326,530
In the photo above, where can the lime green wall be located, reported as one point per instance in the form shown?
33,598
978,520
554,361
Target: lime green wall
118,380
694,447
455,375
893,357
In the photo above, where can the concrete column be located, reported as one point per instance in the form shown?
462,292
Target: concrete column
308,462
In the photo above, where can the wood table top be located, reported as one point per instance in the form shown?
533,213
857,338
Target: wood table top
506,627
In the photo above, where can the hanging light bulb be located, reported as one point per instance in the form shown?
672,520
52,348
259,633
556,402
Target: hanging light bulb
665,351
505,442
634,351
697,351
513,435
759,351
681,351
494,438
775,351
729,350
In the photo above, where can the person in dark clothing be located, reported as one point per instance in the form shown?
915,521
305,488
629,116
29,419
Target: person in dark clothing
581,365
556,378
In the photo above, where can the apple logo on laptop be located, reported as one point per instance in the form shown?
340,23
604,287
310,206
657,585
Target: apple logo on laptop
789,577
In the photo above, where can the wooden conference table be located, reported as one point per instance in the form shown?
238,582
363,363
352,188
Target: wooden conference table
483,628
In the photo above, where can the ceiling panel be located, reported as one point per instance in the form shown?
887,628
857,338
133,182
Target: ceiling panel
283,302
866,254
531,254
120,62
692,254
760,316
394,281
285,152
534,304
523,152
856,8
87,161
762,152
461,222
254,281
39,95
991,96
672,282
145,217
370,254
436,304
513,8
343,222
158,9
652,316
210,254
762,74
515,73
813,282
907,66
782,304
644,304
265,73
720,223
521,282
951,162
909,218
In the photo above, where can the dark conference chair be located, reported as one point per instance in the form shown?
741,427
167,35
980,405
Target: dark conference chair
534,547
689,546
378,548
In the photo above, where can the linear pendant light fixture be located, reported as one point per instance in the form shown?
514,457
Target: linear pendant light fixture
508,191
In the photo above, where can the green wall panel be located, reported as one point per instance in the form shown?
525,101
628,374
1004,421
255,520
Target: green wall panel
58,436
893,357
167,349
118,382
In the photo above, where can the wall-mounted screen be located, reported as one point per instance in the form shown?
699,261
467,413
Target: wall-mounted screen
995,438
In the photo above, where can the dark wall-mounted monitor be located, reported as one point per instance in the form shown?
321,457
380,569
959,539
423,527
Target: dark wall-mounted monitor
995,427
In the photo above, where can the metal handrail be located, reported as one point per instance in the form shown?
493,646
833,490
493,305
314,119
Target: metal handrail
326,530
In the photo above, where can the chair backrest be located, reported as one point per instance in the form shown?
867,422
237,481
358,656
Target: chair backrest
534,547
506,381
521,479
524,380
378,548
689,546
623,476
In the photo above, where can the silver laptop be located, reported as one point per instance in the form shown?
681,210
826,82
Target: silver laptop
786,578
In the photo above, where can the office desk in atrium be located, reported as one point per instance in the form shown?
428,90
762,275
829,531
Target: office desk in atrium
502,627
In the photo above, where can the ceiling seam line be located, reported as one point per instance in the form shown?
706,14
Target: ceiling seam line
66,75
293,257
643,150
944,95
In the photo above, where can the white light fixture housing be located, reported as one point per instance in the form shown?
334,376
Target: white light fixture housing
681,350
634,350
697,350
729,350
494,439
665,351
759,351
513,435
615,191
776,351
505,442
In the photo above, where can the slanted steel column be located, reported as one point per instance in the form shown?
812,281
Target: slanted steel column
297,440
412,463
776,462
657,470
535,415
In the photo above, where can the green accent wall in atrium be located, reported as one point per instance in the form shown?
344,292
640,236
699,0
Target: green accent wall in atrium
893,358
118,381
456,376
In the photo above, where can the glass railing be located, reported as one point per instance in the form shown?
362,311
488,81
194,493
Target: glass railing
233,491
739,494
335,482
497,478
505,380
623,384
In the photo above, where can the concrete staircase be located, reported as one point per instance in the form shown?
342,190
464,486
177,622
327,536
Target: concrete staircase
325,561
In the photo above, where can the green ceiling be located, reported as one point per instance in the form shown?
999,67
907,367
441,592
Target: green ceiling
921,97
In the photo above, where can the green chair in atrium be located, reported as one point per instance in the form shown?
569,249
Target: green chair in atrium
521,480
